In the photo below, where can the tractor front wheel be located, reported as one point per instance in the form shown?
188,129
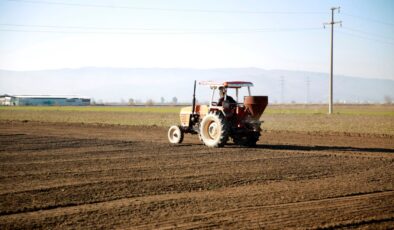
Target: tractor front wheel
175,135
214,130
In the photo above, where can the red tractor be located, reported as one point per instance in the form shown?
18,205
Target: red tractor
223,118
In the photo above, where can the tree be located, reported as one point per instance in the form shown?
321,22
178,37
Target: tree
174,100
150,102
131,101
388,99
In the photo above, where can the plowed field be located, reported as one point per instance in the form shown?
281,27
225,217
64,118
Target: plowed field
59,175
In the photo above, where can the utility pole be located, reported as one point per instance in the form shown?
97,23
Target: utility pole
282,87
330,109
307,90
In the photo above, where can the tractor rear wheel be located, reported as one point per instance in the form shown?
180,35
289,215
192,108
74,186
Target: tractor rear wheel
214,130
175,135
249,140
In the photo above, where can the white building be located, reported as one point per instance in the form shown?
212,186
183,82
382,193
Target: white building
44,100
5,99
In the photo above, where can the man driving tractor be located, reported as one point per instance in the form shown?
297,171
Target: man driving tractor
225,97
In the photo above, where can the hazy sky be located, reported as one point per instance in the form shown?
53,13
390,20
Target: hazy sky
51,34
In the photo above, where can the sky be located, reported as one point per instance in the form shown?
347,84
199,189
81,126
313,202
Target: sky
199,34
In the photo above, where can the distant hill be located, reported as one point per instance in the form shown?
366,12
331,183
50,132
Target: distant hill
116,84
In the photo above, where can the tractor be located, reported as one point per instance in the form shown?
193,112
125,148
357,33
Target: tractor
223,118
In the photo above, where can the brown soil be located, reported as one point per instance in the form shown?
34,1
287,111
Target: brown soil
59,175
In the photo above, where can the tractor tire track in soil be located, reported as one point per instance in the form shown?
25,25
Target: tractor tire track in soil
85,176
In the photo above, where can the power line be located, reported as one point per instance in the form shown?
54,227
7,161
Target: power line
214,30
368,33
76,27
370,19
122,30
164,9
163,31
366,38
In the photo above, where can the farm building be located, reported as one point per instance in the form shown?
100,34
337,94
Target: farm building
6,99
43,100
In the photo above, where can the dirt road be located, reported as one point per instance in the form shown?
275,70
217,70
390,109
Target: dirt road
92,176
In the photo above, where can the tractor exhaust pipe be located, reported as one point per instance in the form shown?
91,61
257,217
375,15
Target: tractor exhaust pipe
191,120
194,98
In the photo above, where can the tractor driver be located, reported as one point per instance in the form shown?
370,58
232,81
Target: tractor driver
222,93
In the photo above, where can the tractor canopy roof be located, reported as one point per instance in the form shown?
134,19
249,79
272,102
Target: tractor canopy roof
227,84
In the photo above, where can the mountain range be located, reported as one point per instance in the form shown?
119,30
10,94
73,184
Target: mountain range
162,84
